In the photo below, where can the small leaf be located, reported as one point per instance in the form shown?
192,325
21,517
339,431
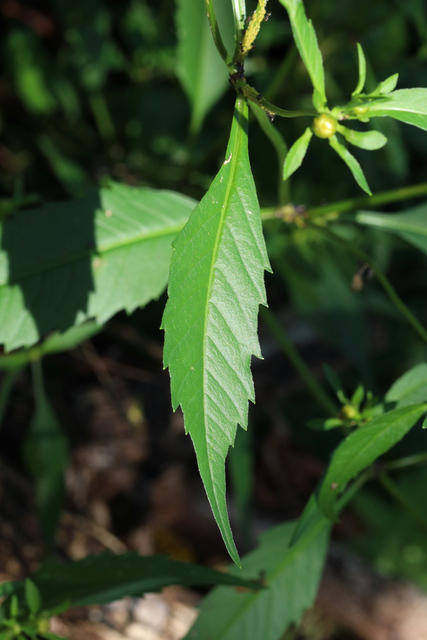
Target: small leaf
411,225
386,86
352,164
200,68
319,424
216,285
335,382
358,396
292,575
32,596
105,577
411,388
306,42
361,448
362,70
369,140
296,154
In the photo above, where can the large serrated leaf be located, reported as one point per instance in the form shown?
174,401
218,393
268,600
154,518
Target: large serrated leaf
200,69
411,225
215,286
361,448
292,575
67,262
106,577
306,42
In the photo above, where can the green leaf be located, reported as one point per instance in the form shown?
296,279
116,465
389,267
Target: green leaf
216,284
411,388
105,577
369,140
411,225
200,69
335,382
46,455
292,575
296,154
351,162
306,42
321,424
362,70
32,596
361,448
65,263
388,85
406,105
56,343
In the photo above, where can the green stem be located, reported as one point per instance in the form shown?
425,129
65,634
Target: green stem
280,147
239,13
38,384
384,281
298,363
403,463
385,197
395,491
6,388
102,116
277,83
216,34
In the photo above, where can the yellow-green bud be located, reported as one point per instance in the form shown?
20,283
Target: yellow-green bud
324,126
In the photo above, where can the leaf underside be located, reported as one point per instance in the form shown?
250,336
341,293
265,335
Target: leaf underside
406,105
411,225
215,286
65,263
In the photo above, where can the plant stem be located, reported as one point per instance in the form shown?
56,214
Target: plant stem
5,389
239,13
216,34
298,363
385,197
280,147
395,491
384,281
278,80
403,463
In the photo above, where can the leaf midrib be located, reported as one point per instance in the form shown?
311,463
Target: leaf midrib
224,211
75,256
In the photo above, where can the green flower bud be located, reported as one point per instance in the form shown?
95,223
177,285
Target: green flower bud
324,126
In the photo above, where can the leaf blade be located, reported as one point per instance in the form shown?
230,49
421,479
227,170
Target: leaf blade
296,154
411,225
292,574
351,163
63,264
307,45
215,287
406,105
361,448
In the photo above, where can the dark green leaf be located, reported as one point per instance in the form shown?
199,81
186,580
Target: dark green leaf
352,164
411,388
65,263
292,576
106,577
370,140
296,154
306,42
215,287
32,596
200,68
361,448
46,456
